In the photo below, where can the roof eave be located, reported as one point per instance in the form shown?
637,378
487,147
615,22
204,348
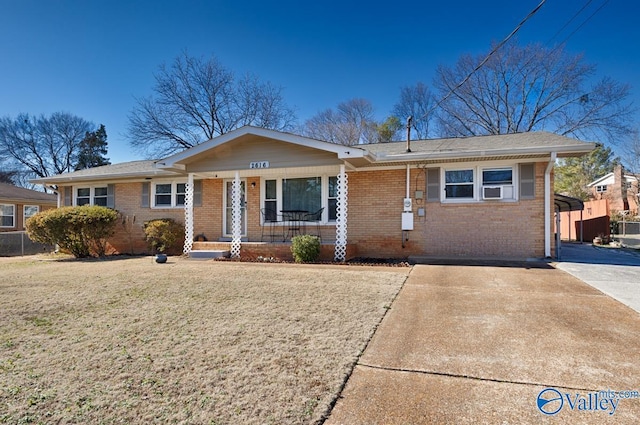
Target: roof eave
488,153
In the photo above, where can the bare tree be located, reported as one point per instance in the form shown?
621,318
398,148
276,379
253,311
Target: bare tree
195,100
417,102
351,123
43,146
531,88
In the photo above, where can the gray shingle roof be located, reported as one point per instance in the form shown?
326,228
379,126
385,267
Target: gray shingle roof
129,169
515,142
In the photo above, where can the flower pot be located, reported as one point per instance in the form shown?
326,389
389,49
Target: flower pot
161,258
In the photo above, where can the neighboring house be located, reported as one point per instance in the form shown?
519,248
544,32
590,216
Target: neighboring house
619,189
17,204
488,196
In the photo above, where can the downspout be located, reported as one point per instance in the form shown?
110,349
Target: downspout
547,205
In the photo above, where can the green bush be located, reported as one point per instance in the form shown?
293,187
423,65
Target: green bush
305,248
164,234
82,231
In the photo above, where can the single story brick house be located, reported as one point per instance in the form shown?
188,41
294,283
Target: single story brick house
251,189
17,204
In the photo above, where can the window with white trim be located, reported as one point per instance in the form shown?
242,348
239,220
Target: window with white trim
308,194
169,194
93,195
7,215
478,184
601,188
459,184
29,211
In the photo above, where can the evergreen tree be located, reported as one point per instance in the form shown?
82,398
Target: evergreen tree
93,149
574,174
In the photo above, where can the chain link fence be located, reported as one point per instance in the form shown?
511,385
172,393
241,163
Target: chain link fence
628,233
18,243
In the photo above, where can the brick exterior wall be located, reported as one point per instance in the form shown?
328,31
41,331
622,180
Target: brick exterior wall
468,230
18,219
619,197
473,230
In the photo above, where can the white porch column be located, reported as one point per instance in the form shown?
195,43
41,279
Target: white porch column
236,217
188,215
341,216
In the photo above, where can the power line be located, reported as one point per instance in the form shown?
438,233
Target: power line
486,59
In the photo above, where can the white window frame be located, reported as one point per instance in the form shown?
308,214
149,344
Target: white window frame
473,183
13,216
24,213
174,193
478,183
601,188
324,194
92,193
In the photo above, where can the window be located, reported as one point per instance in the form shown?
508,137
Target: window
30,211
301,193
169,195
100,196
7,215
497,176
458,184
601,188
91,196
270,200
332,200
83,196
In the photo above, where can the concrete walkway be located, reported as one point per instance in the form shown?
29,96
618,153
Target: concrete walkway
478,345
616,272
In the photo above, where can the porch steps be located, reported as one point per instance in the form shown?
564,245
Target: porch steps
207,254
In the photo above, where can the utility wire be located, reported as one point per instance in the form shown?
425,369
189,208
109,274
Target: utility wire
486,59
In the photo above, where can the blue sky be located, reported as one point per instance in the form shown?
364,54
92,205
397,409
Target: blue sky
92,58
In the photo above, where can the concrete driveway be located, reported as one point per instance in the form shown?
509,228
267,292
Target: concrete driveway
616,272
480,345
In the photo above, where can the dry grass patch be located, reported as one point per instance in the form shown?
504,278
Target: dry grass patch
130,341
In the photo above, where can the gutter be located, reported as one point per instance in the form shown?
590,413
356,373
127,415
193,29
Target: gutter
547,205
383,157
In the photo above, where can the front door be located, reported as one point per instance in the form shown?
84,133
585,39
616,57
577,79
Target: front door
228,207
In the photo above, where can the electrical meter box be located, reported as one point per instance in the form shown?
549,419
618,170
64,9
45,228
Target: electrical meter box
407,221
408,205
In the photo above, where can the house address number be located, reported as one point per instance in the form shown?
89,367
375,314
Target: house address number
259,164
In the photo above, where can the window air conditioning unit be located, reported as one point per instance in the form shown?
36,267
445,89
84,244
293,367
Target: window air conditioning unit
491,192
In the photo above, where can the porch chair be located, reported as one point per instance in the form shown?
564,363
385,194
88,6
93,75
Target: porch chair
269,218
317,218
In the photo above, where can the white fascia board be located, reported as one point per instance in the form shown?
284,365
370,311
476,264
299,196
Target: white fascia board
588,147
61,179
606,179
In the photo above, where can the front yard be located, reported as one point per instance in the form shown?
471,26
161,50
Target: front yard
129,341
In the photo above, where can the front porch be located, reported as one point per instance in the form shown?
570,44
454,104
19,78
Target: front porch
253,250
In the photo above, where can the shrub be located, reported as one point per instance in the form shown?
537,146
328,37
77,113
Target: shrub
305,248
163,234
82,231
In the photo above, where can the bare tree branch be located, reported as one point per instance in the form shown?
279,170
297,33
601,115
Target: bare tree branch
532,88
195,100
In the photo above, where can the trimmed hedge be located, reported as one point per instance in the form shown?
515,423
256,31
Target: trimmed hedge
82,231
163,235
305,248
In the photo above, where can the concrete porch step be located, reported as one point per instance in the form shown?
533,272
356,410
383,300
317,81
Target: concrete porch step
207,254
